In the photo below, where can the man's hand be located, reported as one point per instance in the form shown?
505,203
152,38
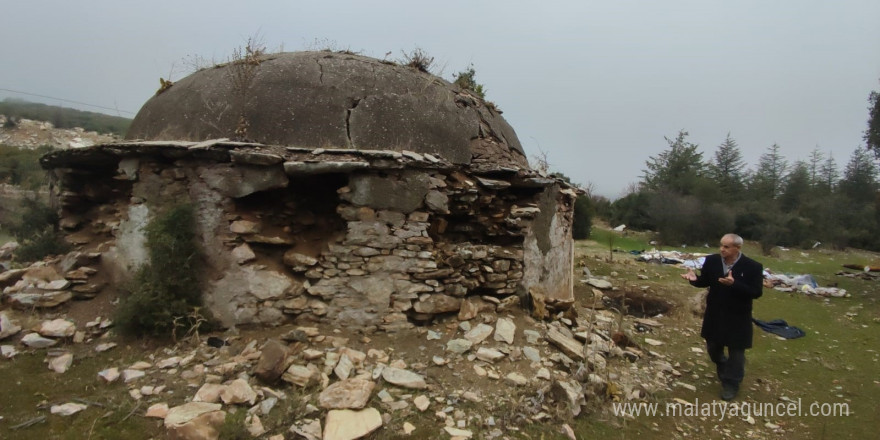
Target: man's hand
728,280
690,275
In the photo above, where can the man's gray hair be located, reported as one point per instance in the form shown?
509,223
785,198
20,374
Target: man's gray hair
737,240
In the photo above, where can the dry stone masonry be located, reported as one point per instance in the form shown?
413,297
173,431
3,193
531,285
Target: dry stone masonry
366,194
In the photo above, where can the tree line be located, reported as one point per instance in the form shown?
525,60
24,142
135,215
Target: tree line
691,199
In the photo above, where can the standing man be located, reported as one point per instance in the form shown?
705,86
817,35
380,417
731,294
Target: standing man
734,280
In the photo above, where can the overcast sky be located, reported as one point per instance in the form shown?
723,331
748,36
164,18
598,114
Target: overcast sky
594,85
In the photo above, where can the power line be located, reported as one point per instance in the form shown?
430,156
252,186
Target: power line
67,100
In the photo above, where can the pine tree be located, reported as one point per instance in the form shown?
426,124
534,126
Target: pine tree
679,169
728,170
767,181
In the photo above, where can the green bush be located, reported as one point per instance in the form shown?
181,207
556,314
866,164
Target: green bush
583,218
165,294
465,79
36,232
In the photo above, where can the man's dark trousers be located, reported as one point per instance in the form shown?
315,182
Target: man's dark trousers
730,368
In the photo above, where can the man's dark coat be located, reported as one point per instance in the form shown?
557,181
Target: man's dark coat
728,317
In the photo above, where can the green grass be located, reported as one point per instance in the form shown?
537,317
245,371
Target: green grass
26,396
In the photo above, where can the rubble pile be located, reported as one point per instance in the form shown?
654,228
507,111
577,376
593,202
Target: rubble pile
347,386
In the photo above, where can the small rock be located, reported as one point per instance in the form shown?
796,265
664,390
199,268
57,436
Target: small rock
238,392
209,392
254,425
459,346
34,340
272,362
8,351
194,420
109,375
421,402
543,373
489,354
345,424
67,409
408,428
599,283
104,346
130,375
7,327
309,429
61,363
479,333
458,433
653,342
532,354
298,375
351,393
158,410
505,330
517,379
403,378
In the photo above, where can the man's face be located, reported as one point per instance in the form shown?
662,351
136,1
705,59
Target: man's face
728,248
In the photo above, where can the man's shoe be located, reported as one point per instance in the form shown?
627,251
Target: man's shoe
728,391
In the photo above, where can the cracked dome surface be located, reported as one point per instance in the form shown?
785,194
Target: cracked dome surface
330,100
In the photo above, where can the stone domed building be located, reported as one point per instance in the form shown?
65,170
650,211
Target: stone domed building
328,186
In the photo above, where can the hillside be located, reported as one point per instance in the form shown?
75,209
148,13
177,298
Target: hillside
64,118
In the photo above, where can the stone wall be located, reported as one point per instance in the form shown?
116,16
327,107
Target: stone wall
369,239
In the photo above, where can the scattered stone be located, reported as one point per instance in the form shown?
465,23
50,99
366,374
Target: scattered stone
543,373
505,330
310,429
489,354
568,345
109,375
532,337
7,327
459,346
48,300
298,375
67,409
599,283
532,354
130,375
267,405
194,420
403,378
479,333
272,363
254,425
157,410
653,342
408,428
140,365
8,351
209,392
345,424
61,363
570,394
458,433
351,393
517,379
686,386
343,367
57,328
421,402
34,340
238,392
104,346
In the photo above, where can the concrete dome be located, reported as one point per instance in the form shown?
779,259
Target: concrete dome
330,100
